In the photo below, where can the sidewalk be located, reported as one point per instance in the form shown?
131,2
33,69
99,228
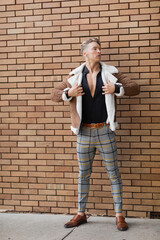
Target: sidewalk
14,226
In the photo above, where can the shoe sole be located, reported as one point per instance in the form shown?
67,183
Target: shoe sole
75,225
122,229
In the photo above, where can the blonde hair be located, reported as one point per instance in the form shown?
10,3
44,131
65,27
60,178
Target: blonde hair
88,41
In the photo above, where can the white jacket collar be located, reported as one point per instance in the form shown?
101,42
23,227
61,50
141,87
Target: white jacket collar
105,67
109,68
78,69
107,71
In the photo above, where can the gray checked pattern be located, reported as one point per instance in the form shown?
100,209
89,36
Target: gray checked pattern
102,139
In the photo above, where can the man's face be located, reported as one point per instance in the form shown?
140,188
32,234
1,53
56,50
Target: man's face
92,52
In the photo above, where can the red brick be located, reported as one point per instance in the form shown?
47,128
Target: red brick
137,214
83,2
128,24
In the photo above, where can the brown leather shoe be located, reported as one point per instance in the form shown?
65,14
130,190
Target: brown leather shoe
76,221
121,224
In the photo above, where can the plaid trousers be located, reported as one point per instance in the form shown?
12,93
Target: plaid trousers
102,139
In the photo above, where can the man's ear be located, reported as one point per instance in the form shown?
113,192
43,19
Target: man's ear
84,53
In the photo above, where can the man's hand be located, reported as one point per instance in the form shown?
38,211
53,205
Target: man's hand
75,91
108,88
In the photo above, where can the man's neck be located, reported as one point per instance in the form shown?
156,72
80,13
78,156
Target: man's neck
93,67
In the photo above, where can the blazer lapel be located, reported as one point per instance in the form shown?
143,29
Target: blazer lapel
79,99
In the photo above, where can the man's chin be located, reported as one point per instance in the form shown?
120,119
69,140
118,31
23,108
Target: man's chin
98,59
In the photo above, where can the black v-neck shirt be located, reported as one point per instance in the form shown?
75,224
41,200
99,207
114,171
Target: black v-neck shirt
94,108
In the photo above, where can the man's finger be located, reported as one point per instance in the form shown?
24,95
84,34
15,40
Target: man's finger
76,85
80,94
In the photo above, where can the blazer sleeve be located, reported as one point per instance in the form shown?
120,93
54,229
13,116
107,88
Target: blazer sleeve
58,93
131,88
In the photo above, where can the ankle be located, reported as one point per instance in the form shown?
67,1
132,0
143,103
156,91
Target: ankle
119,215
81,213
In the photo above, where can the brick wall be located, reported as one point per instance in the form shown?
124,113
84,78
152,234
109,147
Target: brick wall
39,45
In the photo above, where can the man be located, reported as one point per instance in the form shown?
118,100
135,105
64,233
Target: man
91,90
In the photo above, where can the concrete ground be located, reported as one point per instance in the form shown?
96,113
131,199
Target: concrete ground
14,226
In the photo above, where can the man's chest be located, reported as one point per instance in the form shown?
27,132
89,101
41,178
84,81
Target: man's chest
92,86
92,82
